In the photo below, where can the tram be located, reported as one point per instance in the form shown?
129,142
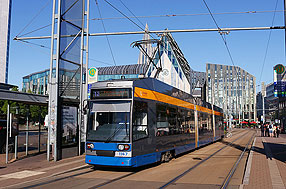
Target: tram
136,122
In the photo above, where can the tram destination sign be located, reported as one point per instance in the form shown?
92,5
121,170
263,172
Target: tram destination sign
110,93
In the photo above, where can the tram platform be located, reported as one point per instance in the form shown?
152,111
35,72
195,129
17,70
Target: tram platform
34,167
266,165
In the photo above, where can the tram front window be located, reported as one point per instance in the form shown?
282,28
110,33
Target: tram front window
109,127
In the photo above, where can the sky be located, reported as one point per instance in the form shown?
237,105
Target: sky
247,48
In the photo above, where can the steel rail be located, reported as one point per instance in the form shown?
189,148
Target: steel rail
163,31
193,167
233,169
119,178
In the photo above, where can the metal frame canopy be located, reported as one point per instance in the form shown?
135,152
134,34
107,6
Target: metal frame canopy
67,51
23,97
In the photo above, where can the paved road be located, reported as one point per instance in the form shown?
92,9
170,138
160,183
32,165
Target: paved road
209,174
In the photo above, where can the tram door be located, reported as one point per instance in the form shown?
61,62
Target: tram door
143,140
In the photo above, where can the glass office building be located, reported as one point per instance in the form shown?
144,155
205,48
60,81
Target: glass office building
37,82
232,89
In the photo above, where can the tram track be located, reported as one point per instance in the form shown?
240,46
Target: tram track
226,181
233,169
86,170
175,179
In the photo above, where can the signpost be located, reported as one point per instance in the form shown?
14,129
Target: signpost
92,78
279,81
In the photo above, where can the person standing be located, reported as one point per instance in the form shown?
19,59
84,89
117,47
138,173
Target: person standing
267,130
271,130
277,131
262,130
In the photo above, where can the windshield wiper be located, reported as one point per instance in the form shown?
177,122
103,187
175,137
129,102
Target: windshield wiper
113,134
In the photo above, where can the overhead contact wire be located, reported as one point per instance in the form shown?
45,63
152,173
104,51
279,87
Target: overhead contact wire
267,46
127,17
111,52
29,23
133,15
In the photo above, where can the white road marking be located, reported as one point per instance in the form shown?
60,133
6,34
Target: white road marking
248,166
21,174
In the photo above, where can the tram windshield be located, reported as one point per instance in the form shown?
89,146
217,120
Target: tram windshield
109,127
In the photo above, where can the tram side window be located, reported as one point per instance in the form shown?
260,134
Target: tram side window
183,127
162,120
190,121
140,119
172,116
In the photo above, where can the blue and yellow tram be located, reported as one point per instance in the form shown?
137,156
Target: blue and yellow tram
142,121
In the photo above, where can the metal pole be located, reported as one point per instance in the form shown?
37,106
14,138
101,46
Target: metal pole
50,82
86,59
7,130
196,127
56,103
16,147
39,132
27,133
81,77
163,31
214,131
263,107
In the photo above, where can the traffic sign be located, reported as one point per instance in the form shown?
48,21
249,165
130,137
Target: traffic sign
92,75
279,69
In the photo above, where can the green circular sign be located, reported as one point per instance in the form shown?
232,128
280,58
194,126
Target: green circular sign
92,72
279,68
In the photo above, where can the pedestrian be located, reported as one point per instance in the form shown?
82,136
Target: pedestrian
262,130
277,131
274,131
271,130
267,130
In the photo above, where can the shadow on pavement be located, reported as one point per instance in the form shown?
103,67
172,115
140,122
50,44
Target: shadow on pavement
278,151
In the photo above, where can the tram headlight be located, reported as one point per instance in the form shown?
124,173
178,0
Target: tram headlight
126,147
122,147
90,145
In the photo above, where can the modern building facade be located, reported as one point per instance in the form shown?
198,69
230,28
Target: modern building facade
5,15
271,102
232,89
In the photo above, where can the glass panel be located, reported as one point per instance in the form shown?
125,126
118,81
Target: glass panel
108,127
140,120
